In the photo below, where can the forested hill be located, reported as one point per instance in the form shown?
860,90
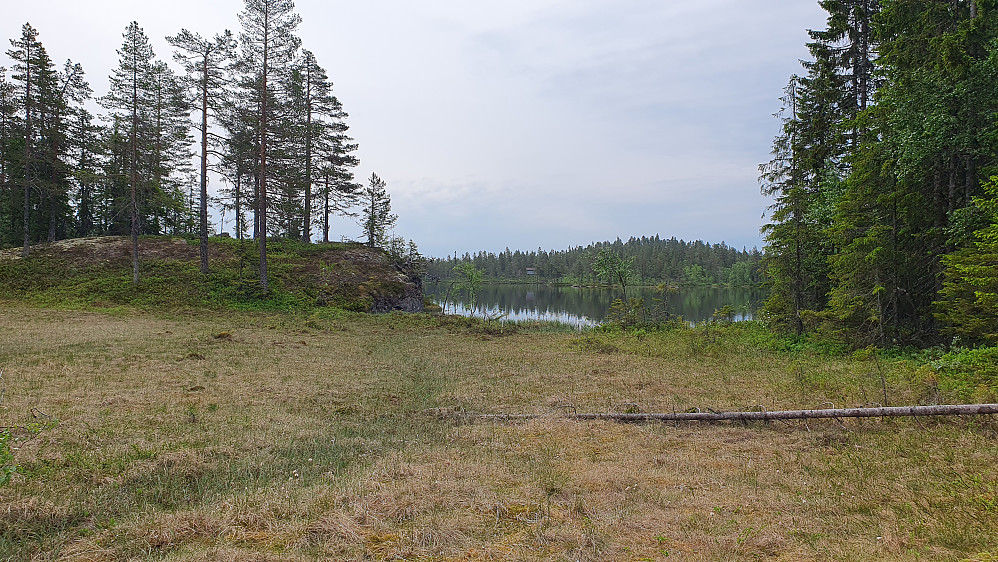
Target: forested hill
656,260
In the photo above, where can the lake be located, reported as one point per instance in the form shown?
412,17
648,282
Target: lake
583,306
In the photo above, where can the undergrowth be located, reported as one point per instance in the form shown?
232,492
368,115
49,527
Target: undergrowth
170,279
888,376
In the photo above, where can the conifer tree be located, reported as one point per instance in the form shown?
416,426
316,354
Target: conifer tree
269,45
378,217
324,130
928,147
85,142
339,192
8,119
791,234
169,157
810,164
238,161
150,134
969,295
206,64
33,69
128,101
67,98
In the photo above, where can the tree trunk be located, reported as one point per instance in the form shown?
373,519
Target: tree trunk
238,205
52,218
262,203
28,111
325,212
203,223
133,175
886,412
307,219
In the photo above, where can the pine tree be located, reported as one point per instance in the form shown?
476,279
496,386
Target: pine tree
325,139
339,192
268,46
238,162
136,89
206,64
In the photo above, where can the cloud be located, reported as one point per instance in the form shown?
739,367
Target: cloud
524,123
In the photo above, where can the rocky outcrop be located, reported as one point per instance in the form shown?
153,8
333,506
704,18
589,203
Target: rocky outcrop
408,297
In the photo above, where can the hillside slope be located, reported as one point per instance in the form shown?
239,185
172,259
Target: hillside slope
96,273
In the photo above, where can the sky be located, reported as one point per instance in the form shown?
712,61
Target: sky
521,123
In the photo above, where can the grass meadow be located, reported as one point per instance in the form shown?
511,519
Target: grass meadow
341,436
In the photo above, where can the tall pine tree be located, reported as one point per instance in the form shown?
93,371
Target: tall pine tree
206,64
269,45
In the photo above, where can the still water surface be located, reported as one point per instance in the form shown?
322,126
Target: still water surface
581,306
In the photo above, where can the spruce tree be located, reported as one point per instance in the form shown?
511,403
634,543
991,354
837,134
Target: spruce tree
790,235
33,69
85,137
378,217
807,175
969,295
8,130
71,92
928,146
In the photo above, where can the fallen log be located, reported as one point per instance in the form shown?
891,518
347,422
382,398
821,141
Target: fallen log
763,415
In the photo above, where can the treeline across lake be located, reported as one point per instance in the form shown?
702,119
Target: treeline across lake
656,261
884,229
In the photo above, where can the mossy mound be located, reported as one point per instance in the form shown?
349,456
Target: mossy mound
97,273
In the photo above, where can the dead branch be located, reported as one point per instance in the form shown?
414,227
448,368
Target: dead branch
712,416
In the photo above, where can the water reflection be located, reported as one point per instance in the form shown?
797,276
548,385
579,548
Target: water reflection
587,306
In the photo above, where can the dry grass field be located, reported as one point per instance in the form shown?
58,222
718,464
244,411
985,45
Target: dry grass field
275,437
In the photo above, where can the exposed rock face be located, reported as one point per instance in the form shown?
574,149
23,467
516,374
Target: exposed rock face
365,279
409,299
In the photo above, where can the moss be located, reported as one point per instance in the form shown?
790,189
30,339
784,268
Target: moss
97,273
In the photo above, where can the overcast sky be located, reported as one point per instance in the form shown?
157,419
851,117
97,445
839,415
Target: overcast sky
521,123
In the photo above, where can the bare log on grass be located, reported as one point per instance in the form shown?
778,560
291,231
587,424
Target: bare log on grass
831,413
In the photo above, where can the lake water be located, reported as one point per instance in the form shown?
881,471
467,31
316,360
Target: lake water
581,306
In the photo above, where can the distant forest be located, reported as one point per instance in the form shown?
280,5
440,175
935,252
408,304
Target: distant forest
884,229
656,261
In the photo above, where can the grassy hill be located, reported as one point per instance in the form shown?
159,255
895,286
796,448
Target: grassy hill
96,273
